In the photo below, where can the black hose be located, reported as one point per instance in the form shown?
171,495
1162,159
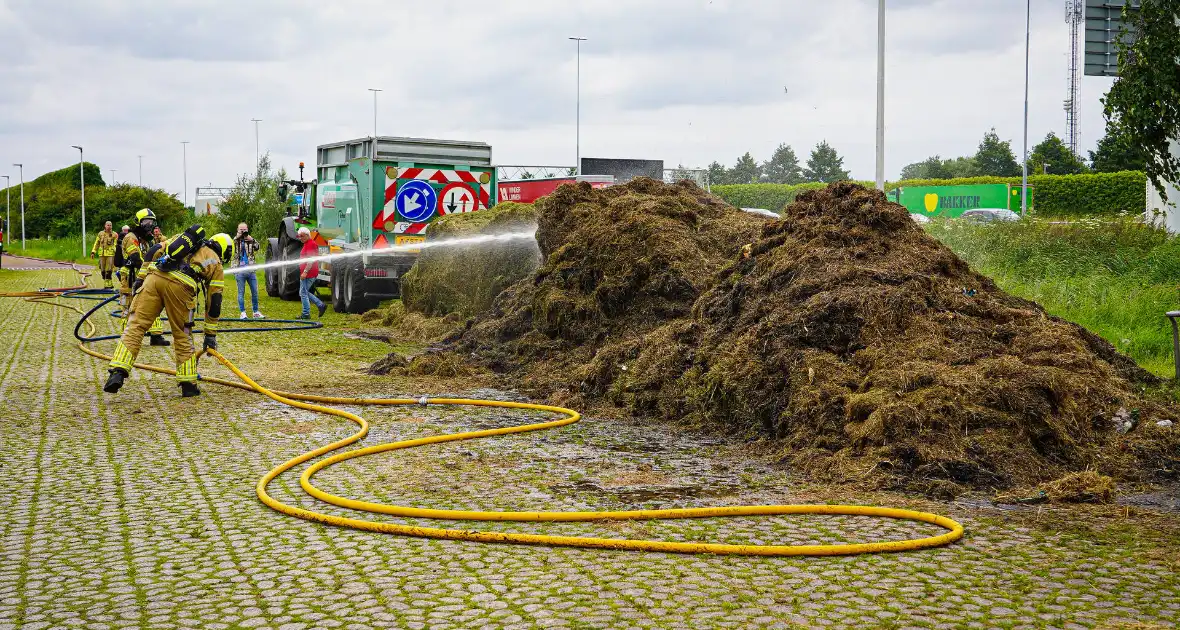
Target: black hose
299,324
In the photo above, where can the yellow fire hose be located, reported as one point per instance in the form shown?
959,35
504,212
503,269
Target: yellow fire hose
308,402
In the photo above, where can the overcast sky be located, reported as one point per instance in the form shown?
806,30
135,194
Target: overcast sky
686,81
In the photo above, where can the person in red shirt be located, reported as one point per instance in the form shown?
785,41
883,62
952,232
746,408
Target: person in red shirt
308,273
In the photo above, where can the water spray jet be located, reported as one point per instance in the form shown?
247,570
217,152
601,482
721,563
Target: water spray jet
393,249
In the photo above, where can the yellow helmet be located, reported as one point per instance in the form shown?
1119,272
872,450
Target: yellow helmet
224,246
143,215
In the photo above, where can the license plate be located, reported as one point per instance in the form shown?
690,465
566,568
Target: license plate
409,240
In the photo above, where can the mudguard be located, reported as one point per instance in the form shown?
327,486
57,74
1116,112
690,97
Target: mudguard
288,225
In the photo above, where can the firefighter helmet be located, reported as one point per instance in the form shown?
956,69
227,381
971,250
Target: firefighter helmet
223,245
145,220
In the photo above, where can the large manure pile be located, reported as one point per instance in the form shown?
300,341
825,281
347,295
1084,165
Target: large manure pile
843,331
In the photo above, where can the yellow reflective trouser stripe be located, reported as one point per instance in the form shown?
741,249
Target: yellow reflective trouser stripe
157,327
216,283
210,327
122,358
192,284
187,371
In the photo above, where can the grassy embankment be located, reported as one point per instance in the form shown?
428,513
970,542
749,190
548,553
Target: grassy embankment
1115,277
69,248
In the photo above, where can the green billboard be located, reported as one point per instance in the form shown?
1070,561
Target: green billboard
953,201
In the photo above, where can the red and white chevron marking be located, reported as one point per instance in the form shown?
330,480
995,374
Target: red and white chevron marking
438,176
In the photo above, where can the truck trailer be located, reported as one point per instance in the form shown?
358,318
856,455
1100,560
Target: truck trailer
370,194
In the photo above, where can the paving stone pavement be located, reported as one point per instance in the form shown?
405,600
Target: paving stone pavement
138,511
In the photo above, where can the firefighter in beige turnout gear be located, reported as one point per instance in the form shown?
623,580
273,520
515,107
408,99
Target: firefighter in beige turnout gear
175,292
135,243
104,249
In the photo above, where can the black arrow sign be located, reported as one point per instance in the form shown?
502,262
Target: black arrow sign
451,203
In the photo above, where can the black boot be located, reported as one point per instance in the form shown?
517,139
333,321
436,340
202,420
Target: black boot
159,340
188,389
114,381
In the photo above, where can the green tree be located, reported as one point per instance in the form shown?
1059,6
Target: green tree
717,174
825,165
961,167
783,167
1051,156
995,157
1115,152
1144,102
56,209
254,200
745,170
933,167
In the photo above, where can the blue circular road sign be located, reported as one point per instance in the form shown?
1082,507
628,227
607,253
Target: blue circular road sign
416,200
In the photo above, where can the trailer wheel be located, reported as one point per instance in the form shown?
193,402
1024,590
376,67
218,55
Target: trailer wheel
355,301
336,284
288,275
272,274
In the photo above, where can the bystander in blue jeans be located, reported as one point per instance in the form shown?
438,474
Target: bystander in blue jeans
252,280
307,294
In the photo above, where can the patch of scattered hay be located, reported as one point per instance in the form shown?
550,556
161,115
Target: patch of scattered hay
1080,487
388,363
408,326
441,365
636,478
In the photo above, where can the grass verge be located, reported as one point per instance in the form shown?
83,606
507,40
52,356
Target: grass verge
67,249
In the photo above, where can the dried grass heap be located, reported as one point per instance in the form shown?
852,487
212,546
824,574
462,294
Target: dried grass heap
465,280
869,349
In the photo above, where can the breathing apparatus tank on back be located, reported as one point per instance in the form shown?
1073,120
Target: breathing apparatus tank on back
178,249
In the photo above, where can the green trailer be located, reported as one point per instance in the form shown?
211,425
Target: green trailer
371,194
953,201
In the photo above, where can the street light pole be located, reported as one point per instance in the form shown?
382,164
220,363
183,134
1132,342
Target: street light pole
578,108
82,182
881,95
22,204
374,91
1024,175
113,176
184,156
256,154
140,171
8,202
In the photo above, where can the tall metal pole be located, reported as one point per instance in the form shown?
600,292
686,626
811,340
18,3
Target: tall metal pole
256,153
22,204
578,109
184,156
140,171
8,202
374,91
881,95
82,182
113,176
1024,175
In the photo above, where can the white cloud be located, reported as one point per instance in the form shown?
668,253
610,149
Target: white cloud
685,81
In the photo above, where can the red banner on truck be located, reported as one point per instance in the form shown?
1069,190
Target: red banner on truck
530,190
